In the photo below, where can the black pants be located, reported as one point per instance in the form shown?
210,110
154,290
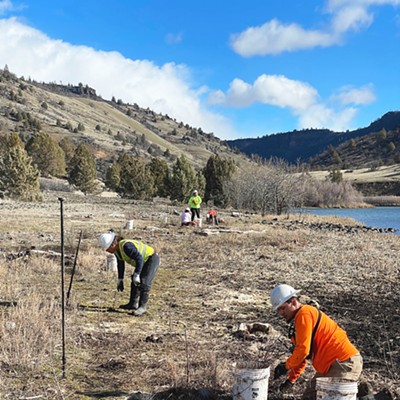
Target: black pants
147,277
212,219
195,213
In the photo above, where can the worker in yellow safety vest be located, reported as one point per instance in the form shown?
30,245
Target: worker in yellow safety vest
145,261
194,204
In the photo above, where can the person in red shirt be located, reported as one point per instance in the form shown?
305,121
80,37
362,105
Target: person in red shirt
317,337
211,217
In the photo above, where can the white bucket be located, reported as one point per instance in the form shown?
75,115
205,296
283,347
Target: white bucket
111,262
129,224
251,384
198,222
336,389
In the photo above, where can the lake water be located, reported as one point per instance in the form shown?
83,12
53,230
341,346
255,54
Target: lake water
378,217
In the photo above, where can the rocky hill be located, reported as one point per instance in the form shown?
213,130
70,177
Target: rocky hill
308,144
107,127
372,150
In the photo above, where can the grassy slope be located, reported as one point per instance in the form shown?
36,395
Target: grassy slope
390,173
93,112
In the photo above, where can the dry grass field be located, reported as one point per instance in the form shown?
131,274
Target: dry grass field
386,173
212,285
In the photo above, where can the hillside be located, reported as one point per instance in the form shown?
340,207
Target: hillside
369,151
110,128
308,143
107,127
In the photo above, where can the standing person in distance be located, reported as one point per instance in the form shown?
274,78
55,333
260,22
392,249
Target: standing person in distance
317,337
194,204
145,261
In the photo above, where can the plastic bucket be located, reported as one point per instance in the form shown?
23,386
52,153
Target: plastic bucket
129,224
251,383
336,389
111,262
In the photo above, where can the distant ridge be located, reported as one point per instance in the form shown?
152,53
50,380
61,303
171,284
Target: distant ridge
308,143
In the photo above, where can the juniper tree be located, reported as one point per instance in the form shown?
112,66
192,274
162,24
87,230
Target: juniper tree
136,179
113,176
82,170
159,170
217,172
47,155
183,179
18,177
68,147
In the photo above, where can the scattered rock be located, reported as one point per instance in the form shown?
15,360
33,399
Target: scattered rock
256,331
154,339
112,364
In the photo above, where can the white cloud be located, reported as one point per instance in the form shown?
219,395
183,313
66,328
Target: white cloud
165,89
275,37
300,98
336,4
276,90
357,96
5,6
351,18
320,116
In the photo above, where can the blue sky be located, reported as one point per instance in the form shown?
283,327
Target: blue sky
235,68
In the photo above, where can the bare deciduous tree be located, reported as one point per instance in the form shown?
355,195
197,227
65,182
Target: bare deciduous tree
268,188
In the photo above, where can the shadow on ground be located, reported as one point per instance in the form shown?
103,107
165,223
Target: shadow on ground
182,394
170,394
104,394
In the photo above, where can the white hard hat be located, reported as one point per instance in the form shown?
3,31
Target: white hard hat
195,191
187,209
282,293
105,239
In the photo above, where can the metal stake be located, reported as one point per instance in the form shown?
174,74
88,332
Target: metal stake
73,268
62,288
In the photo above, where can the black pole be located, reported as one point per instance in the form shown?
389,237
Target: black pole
62,287
74,266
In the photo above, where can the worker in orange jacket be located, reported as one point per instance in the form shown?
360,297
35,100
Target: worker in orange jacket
317,337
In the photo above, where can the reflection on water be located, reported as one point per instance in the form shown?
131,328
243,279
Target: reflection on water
378,217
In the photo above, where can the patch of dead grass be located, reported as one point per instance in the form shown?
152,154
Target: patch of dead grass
205,287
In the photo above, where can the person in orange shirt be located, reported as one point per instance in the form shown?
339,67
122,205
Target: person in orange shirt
211,217
317,337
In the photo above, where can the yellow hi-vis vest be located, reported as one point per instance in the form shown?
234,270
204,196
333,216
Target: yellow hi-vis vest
144,250
194,202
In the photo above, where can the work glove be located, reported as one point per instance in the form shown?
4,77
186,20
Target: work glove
120,285
136,279
280,370
286,386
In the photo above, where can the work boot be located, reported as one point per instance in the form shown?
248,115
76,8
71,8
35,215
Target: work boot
144,297
136,302
133,299
141,310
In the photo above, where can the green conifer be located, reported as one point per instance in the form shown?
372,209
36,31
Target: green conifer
82,170
18,177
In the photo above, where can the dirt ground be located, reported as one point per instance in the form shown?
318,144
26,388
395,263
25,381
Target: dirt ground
209,311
